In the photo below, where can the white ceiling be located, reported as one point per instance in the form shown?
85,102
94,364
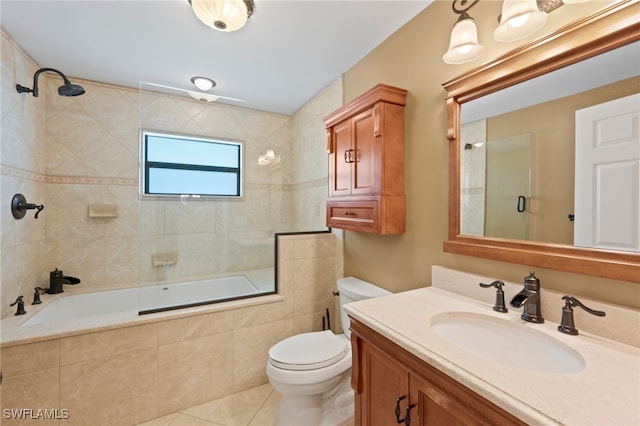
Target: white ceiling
287,53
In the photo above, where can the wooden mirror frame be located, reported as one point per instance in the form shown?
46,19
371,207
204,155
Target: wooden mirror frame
612,27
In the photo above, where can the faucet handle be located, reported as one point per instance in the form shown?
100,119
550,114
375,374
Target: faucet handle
499,305
36,295
20,310
567,325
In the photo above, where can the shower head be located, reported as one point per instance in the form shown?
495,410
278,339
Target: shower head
68,89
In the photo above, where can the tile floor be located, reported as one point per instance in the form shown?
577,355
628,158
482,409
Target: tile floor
253,407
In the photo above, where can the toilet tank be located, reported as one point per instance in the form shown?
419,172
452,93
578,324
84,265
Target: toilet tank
352,289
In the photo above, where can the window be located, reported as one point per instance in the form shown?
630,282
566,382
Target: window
179,165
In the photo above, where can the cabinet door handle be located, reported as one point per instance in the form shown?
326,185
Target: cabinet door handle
407,416
349,214
348,156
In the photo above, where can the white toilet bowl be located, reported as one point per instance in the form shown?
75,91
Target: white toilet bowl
312,371
315,390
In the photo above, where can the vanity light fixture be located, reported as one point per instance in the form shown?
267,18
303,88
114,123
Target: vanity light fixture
463,46
519,19
223,15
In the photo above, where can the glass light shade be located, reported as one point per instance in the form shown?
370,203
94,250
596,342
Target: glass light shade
464,46
520,18
222,15
203,83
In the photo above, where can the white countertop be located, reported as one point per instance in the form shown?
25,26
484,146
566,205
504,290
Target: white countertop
605,392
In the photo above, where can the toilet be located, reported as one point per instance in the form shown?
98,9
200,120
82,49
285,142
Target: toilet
312,371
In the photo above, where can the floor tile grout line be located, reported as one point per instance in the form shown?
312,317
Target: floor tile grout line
261,406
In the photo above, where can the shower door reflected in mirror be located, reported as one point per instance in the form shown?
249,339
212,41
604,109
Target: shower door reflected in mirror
495,188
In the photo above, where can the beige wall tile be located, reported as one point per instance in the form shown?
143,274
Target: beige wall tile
251,351
37,390
194,371
315,280
311,322
31,357
317,245
121,264
112,390
107,343
267,313
195,327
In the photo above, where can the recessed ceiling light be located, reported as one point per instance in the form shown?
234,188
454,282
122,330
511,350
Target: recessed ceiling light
203,83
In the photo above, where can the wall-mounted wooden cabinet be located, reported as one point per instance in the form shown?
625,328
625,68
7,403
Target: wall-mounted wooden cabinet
365,142
393,386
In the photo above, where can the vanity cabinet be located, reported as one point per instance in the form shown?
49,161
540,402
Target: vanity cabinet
391,384
365,143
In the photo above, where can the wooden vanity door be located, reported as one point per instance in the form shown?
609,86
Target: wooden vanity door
434,407
384,381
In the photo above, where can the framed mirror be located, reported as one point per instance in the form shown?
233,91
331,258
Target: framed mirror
614,27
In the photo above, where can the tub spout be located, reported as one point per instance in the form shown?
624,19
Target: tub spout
57,279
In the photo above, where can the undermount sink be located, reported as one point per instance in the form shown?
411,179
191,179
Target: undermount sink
509,343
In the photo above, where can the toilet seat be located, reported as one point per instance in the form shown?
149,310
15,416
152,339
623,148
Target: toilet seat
308,351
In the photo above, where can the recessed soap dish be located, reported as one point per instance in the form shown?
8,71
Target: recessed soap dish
103,210
164,259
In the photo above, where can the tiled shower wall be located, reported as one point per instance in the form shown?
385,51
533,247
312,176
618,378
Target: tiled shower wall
472,177
69,153
23,168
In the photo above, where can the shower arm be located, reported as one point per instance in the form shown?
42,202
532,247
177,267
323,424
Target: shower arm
23,89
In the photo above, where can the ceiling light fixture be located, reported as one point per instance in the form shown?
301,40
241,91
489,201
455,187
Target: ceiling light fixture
203,83
223,15
519,19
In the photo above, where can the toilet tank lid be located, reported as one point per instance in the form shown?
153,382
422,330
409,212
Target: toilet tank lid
360,290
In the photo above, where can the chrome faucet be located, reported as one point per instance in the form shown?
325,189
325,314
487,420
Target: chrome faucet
529,297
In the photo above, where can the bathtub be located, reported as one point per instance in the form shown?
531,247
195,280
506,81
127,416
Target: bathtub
129,303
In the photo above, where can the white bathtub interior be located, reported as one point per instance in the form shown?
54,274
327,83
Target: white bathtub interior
128,303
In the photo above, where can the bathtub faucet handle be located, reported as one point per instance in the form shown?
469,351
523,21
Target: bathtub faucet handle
36,295
20,303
